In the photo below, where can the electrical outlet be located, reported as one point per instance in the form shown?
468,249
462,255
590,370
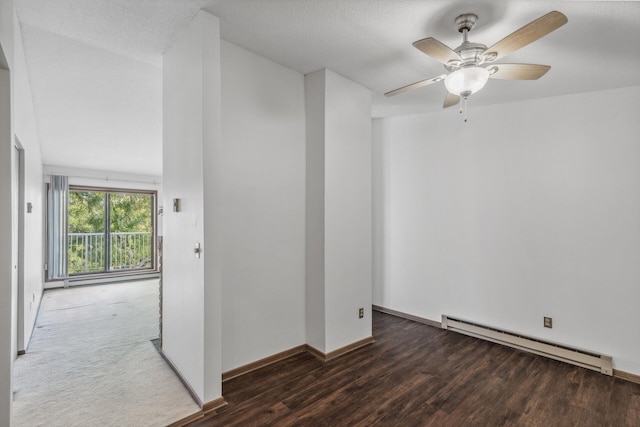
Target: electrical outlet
548,322
360,313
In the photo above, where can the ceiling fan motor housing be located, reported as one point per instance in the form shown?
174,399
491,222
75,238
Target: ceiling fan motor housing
466,21
471,53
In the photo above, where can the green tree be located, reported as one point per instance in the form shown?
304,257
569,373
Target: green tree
131,213
86,211
128,213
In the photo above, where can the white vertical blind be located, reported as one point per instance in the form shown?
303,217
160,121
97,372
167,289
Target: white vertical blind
58,198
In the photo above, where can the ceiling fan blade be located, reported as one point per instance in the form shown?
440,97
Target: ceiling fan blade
450,100
526,35
416,85
437,50
518,71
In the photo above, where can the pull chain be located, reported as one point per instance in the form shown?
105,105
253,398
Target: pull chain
466,110
463,107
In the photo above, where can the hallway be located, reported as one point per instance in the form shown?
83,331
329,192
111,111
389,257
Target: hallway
91,361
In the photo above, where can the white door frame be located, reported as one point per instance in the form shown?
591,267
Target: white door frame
19,162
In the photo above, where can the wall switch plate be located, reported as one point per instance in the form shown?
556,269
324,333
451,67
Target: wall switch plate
360,313
176,205
548,322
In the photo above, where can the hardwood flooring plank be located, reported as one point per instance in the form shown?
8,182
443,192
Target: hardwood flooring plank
419,375
624,404
249,384
404,403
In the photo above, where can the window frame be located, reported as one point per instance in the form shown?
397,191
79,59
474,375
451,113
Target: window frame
154,230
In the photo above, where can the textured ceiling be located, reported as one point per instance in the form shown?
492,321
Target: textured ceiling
95,66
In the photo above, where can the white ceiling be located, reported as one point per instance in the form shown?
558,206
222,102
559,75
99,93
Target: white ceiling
95,65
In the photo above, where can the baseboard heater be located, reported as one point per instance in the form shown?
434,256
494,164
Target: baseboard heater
109,279
578,357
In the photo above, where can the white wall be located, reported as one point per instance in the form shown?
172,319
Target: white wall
531,209
263,134
6,257
314,253
212,203
6,188
348,229
26,132
6,33
339,230
17,124
102,178
191,286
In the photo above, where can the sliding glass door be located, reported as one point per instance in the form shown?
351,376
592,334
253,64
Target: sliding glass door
110,231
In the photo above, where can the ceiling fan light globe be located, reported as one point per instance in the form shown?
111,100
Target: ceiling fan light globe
466,80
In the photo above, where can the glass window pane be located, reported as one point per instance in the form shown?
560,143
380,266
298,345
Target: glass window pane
131,231
86,224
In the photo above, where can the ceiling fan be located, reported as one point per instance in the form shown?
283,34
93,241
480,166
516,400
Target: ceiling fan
470,65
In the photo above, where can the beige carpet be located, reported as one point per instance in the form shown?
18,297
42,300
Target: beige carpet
91,362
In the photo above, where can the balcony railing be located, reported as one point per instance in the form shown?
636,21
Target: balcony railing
86,252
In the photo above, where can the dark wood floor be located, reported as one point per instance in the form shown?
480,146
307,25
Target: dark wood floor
418,375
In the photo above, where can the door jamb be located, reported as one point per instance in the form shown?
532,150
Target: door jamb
21,221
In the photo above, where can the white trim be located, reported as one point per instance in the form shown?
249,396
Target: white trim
79,174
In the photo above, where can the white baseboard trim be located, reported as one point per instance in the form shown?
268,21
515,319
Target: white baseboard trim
35,321
182,379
